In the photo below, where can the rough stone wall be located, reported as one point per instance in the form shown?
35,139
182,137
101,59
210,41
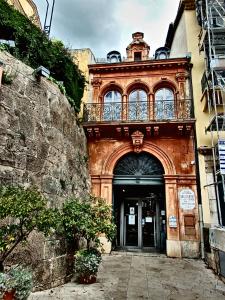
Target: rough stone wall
41,144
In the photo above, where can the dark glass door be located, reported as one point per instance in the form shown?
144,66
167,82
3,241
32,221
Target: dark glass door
140,223
131,218
148,223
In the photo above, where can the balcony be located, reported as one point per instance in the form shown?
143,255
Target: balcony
129,112
120,119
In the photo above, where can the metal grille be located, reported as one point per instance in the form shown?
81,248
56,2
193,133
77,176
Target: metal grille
138,111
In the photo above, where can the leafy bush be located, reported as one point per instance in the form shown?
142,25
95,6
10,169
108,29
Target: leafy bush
87,262
88,218
6,283
17,279
33,47
22,211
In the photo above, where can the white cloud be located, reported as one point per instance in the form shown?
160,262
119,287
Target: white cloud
104,25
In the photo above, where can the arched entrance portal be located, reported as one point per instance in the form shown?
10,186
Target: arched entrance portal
139,202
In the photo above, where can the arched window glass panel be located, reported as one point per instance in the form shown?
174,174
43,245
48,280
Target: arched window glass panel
112,108
164,104
141,164
138,105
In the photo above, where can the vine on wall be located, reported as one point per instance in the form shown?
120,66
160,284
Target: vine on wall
33,47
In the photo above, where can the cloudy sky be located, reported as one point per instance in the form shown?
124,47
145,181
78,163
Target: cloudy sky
105,25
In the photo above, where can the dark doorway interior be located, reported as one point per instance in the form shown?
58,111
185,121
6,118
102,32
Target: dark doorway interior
139,212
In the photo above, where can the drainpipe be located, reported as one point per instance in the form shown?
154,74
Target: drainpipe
197,175
201,230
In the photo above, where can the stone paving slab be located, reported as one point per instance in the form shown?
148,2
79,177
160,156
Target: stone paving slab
132,276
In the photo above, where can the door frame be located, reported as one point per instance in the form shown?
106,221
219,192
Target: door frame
156,221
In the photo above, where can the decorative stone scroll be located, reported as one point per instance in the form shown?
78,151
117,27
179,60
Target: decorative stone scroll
137,139
96,82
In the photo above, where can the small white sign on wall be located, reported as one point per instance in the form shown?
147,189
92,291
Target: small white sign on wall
148,219
187,199
172,222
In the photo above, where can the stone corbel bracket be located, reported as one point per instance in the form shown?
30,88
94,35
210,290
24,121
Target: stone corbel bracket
137,140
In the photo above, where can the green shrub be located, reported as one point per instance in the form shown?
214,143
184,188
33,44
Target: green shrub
22,211
17,279
88,218
87,262
33,47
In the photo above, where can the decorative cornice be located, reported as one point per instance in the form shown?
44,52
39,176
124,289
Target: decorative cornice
153,64
182,76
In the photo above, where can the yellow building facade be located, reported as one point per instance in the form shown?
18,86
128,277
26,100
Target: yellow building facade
198,32
82,58
27,8
185,42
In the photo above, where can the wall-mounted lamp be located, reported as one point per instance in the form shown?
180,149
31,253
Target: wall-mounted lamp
41,71
10,43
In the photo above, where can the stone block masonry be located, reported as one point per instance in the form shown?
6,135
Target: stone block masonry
41,144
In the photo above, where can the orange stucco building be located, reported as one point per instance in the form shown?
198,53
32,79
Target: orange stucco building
140,130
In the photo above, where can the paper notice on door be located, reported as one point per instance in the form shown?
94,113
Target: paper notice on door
131,220
148,219
132,210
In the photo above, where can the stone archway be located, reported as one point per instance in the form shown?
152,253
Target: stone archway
103,186
138,201
148,147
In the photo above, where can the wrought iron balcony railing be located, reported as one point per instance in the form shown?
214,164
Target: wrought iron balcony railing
160,110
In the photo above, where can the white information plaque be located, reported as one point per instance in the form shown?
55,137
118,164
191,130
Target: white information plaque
187,199
148,219
173,222
131,220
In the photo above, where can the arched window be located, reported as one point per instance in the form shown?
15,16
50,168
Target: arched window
112,107
141,164
138,105
164,104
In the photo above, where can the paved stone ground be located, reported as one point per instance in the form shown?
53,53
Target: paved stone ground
143,276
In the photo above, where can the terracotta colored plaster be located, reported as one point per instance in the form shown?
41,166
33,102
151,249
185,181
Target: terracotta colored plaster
170,142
